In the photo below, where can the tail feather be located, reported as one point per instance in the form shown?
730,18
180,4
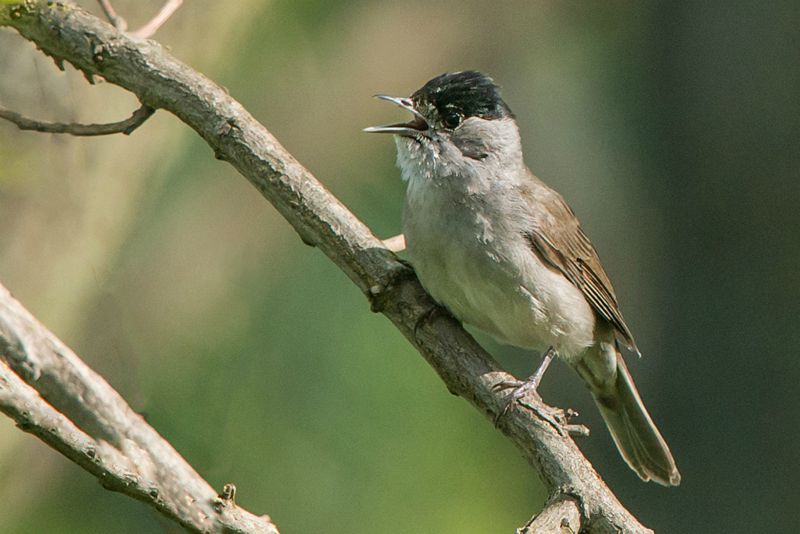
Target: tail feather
631,427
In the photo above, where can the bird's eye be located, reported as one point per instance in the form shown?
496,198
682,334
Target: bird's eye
452,119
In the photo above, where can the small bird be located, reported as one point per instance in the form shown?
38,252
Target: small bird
503,252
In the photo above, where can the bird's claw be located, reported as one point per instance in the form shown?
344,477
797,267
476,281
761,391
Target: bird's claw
558,418
520,389
523,388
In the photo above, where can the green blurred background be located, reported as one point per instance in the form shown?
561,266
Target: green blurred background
671,128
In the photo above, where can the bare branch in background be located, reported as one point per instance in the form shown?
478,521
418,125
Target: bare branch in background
161,81
151,27
112,16
53,395
125,126
156,22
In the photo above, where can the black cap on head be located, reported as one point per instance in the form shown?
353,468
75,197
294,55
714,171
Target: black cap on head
470,93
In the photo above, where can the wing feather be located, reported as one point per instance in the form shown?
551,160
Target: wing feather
560,242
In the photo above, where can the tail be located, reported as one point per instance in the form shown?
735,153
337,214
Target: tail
634,433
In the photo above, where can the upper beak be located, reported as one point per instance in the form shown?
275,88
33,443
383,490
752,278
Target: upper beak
410,129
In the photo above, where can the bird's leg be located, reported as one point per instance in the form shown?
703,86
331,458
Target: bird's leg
536,377
523,388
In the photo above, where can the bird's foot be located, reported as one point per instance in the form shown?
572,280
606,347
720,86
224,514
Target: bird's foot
520,389
531,385
558,418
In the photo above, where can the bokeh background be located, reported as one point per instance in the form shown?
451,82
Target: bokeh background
671,128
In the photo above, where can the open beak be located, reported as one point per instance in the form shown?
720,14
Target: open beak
413,128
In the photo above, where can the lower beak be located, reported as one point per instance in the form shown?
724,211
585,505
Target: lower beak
412,128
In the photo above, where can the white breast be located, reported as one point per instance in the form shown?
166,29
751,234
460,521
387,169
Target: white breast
473,258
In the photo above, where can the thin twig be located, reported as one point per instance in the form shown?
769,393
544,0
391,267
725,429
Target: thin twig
149,28
125,126
119,23
156,22
396,243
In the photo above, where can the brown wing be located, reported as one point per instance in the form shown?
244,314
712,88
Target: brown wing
560,242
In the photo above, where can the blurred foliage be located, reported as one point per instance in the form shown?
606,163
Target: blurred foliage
672,129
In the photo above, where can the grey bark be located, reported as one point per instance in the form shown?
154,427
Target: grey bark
562,515
160,81
53,395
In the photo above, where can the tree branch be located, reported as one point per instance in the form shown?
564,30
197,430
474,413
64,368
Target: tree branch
161,81
562,515
126,126
53,395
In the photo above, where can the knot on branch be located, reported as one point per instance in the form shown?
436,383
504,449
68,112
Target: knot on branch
380,293
226,498
97,53
561,515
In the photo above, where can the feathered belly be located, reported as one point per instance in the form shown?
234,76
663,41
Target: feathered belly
509,294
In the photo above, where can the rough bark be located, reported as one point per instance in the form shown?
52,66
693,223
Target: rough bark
53,395
562,515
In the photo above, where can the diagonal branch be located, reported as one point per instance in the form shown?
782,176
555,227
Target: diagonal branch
126,126
53,395
161,81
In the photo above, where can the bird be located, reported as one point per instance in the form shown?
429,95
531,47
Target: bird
503,252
